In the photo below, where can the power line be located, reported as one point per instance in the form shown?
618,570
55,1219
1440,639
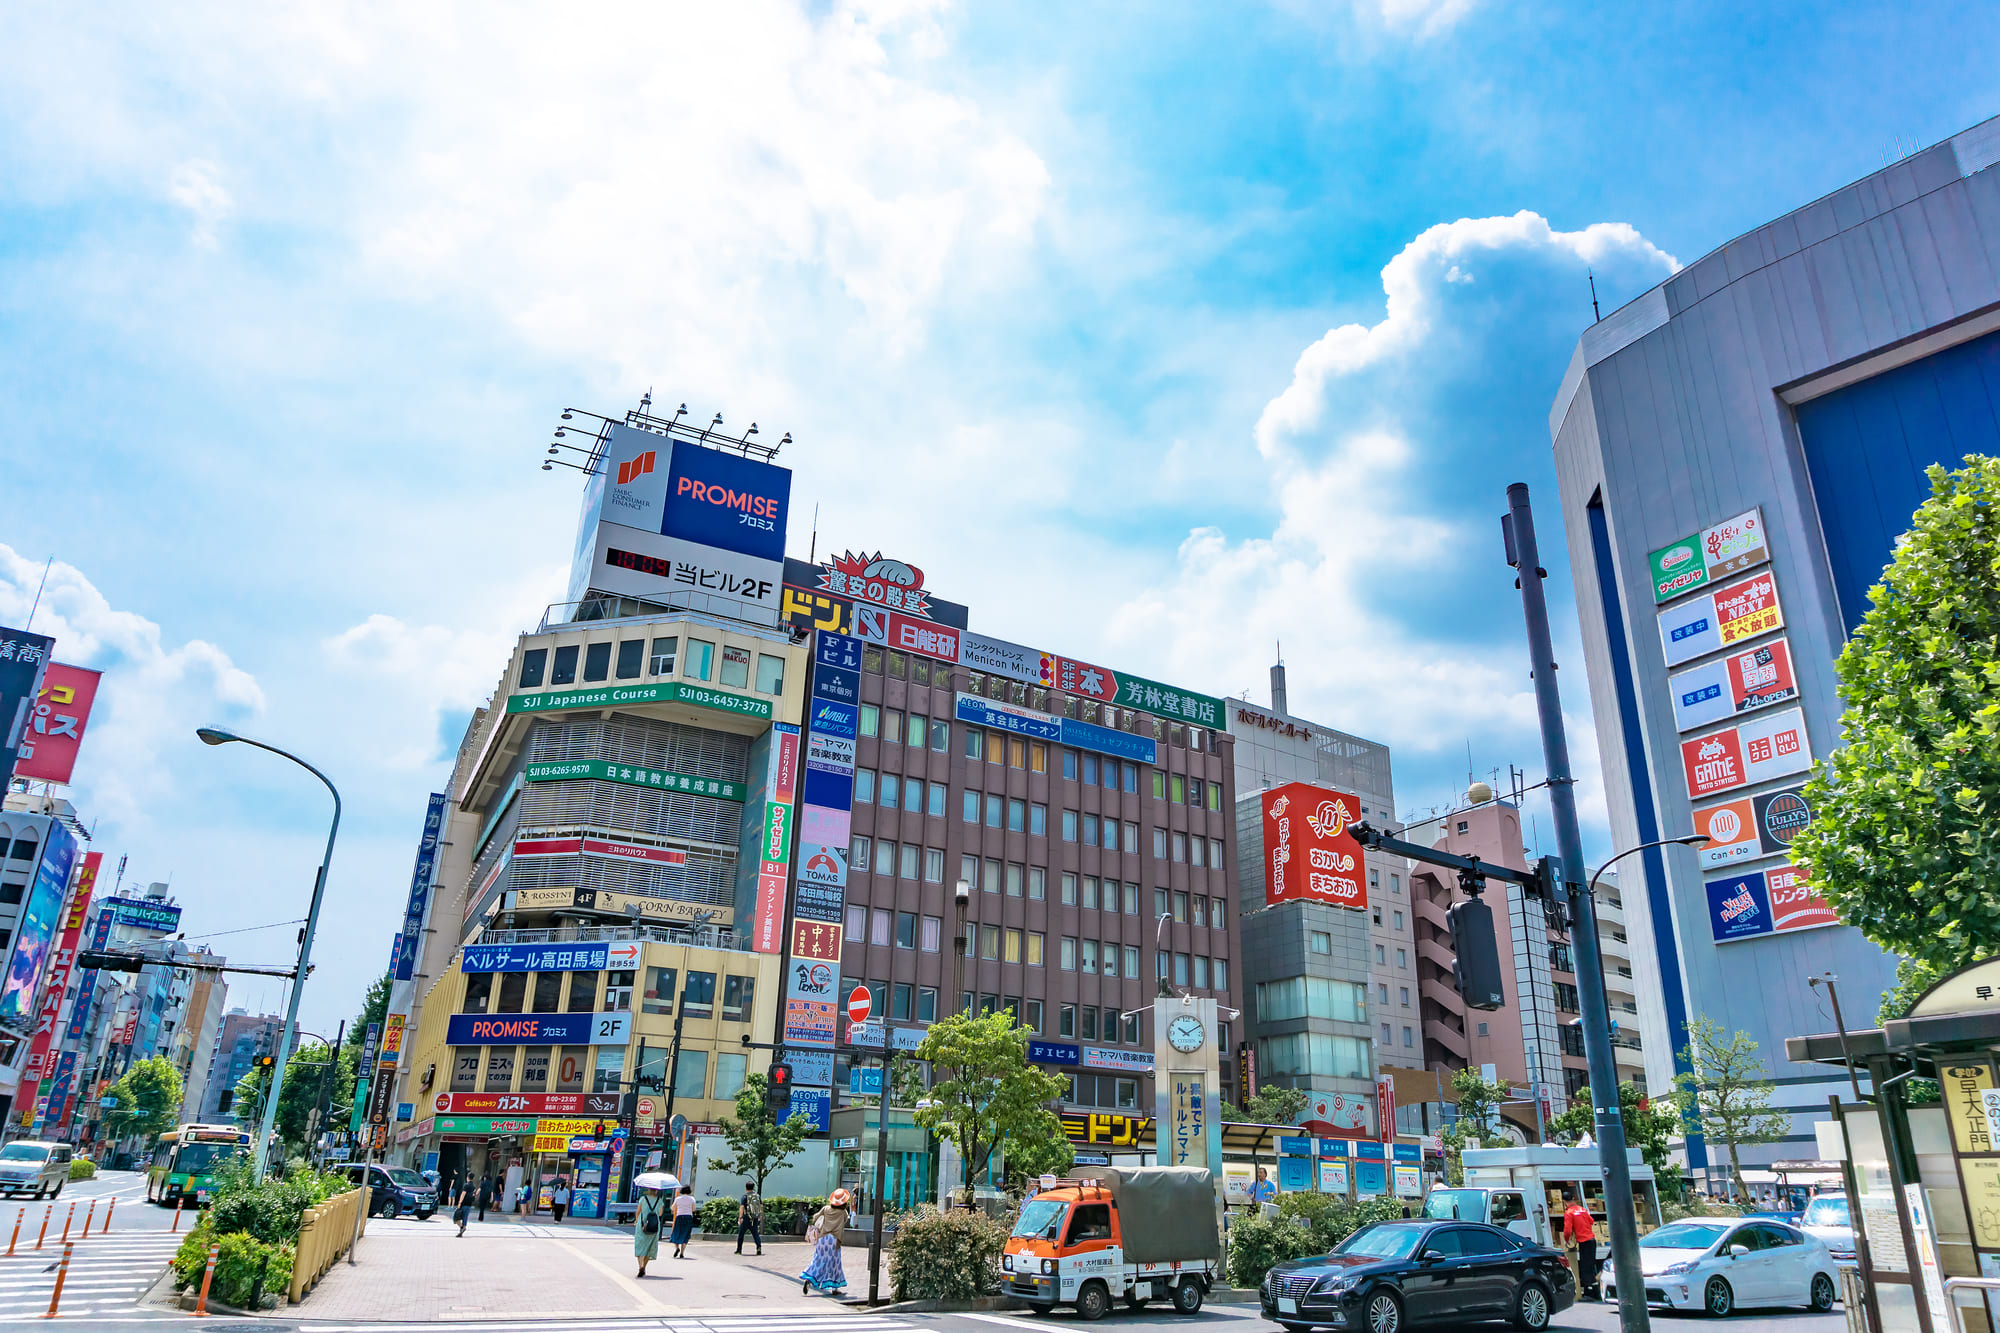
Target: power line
213,934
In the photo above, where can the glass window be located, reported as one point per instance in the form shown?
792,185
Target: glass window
1215,852
1402,958
933,865
891,788
1034,959
1395,883
906,930
1069,826
478,989
906,862
582,993
996,748
1066,1021
919,728
880,923
940,735
770,674
975,743
1031,1015
1180,907
1128,1094
1089,896
1322,941
1177,788
1180,846
994,807
1086,955
1013,879
892,725
901,996
700,659
927,1004
513,993
1180,969
690,1072
658,997
1132,838
1398,919
858,853
1198,910
698,996
1013,952
607,1069
1160,844
730,1067
1159,785
892,664
565,668
1069,764
1017,753
1380,955
1131,900
1200,972
1067,954
1090,769
1037,881
1086,1023
1038,820
920,670
1110,956
1404,995
1197,851
499,1069
1090,830
1194,791
534,662
933,933
989,941
871,719
1131,960
1017,816
864,785
968,870
664,652
1069,889
913,796
871,661
1038,757
1215,796
631,658
993,877
970,813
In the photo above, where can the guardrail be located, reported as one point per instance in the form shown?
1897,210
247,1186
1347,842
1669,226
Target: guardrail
325,1232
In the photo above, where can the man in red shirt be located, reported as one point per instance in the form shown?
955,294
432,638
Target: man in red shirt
1580,1230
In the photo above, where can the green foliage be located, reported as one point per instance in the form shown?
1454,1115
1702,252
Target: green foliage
81,1168
1478,1101
270,1211
1257,1242
236,1267
1726,1093
1651,1125
374,1009
1695,1205
717,1217
951,1256
310,1072
1272,1106
148,1100
1024,1160
1913,978
983,1091
1902,840
760,1144
1332,1219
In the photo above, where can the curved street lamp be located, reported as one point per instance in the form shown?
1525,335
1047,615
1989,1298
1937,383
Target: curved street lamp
222,736
1690,840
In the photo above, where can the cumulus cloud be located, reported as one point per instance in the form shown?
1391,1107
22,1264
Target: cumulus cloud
195,187
154,693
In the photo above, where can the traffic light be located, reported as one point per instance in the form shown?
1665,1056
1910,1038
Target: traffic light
778,1090
1550,889
109,962
1476,957
267,1061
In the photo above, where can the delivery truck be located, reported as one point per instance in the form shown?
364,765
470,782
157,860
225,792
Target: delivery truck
1131,1234
1522,1190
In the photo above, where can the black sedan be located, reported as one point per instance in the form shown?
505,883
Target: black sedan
1390,1274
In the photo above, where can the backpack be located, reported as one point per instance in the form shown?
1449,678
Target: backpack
650,1223
754,1207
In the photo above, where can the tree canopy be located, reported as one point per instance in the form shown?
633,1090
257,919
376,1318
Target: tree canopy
1726,1092
1272,1106
983,1091
1651,1125
1902,841
760,1144
306,1076
148,1097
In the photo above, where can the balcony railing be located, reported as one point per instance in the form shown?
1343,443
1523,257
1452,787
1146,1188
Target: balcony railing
699,937
598,610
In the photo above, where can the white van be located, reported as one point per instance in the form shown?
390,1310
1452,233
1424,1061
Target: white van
34,1167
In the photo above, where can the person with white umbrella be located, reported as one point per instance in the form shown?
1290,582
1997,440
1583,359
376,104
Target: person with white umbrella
654,1188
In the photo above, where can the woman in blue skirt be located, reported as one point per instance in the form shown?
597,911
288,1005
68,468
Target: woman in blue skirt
826,1274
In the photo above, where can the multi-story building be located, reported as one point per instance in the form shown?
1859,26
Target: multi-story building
1330,989
41,851
242,1037
1738,450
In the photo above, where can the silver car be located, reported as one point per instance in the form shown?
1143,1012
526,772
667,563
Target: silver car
32,1166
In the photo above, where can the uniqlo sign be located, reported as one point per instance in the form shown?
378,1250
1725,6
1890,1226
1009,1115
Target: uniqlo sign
1310,851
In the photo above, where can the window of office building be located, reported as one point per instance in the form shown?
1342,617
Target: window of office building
597,662
700,661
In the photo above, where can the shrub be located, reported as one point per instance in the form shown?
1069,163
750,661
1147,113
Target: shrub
718,1216
270,1211
1256,1243
1332,1219
235,1268
81,1168
951,1256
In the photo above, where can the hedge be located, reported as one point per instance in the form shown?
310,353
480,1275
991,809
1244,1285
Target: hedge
952,1256
1306,1225
235,1268
81,1168
718,1216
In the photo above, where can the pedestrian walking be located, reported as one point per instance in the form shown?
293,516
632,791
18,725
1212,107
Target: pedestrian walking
559,1199
463,1213
646,1225
684,1211
825,1273
485,1194
750,1217
524,1195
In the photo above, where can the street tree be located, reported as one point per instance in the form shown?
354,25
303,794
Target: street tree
1725,1092
374,1009
983,1091
1651,1126
148,1097
1272,1106
760,1143
1477,1100
315,1079
1901,841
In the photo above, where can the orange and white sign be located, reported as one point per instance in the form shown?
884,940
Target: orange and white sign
1309,848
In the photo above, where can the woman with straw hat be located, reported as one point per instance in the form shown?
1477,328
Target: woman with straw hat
825,1272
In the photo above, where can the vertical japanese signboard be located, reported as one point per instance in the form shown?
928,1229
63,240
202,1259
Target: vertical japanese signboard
57,722
1309,847
42,1050
24,661
410,942
774,833
826,789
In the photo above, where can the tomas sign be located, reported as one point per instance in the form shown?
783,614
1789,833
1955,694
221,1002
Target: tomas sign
1310,851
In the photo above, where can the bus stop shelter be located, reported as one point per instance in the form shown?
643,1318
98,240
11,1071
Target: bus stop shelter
1922,1172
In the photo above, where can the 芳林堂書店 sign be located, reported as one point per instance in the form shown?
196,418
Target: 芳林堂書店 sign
1766,746
1732,614
623,956
661,692
1764,902
659,778
1714,553
538,1029
1170,701
1750,828
145,913
1737,682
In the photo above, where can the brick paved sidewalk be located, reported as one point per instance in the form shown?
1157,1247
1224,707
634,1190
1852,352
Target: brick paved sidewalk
420,1271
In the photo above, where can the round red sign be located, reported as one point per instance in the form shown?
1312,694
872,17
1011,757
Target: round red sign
858,1002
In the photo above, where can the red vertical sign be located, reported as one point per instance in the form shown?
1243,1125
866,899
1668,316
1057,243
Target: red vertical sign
61,964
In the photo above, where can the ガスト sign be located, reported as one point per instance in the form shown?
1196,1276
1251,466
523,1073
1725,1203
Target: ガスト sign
1309,847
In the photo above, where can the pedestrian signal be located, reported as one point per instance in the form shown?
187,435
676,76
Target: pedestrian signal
778,1090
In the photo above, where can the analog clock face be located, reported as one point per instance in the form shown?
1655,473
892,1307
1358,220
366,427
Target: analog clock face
1185,1034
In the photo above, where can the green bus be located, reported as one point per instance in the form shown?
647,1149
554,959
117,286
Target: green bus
186,1159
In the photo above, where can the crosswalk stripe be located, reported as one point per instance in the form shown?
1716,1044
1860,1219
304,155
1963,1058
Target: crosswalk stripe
693,1321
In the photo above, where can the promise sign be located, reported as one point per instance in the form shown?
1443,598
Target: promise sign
1310,851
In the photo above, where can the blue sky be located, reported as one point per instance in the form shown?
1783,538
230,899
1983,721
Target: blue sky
1154,333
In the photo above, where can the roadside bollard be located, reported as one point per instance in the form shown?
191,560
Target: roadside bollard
89,1216
17,1232
207,1276
46,1215
180,1204
55,1297
107,1215
67,1220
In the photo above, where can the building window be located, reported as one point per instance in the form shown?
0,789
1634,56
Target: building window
994,806
933,865
891,788
1402,958
1566,997
1031,1015
871,719
730,1067
1013,879
478,989
1038,821
1381,956
597,662
1200,972
1221,969
1088,898
992,883
1407,1037
1086,959
700,659
1017,816
690,1073
658,997
935,806
1198,911
1395,883
1197,851
1387,1038
1066,1021
738,998
565,668
1404,992
1180,969
1034,957
864,786
1069,826
1037,883
940,735
1013,951
1089,830
1068,953
989,942
913,795
1461,826
1482,1029
1177,789
1069,760
770,674
1086,1023
906,867
698,996
1159,903
617,992
927,1004
919,728
933,933
971,811
892,665
1160,844
857,853
975,743
1398,917
665,650
533,663
1180,907
880,923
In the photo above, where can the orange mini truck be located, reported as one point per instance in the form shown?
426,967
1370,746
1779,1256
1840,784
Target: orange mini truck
1133,1234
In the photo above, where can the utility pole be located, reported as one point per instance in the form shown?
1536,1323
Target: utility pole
1519,531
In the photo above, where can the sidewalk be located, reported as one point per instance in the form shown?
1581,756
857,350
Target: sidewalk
531,1269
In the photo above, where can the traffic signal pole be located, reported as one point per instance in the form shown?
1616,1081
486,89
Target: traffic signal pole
1519,530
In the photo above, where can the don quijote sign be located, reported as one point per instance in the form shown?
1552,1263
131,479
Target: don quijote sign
1309,846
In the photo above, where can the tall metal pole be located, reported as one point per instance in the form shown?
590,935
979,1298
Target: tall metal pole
1607,1114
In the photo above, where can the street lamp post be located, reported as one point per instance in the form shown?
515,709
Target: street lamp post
220,736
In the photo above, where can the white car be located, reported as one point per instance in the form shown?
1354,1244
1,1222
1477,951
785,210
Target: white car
1716,1264
1826,1217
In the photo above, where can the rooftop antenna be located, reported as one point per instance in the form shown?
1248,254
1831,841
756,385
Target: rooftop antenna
1596,315
121,875
812,548
38,595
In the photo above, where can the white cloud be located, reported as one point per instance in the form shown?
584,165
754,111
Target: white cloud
1426,18
194,187
152,697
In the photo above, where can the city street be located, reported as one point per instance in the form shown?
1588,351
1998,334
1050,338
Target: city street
109,1271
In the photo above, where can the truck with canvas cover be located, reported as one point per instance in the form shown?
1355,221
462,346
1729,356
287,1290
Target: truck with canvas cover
1135,1234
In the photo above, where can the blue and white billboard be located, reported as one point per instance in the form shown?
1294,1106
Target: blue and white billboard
550,957
1062,730
538,1029
41,910
409,943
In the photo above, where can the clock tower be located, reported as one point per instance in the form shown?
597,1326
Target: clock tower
1187,1082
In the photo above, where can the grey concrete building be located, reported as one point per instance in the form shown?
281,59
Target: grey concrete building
1737,450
